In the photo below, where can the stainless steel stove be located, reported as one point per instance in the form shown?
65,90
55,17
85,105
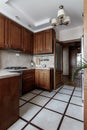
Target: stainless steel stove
17,69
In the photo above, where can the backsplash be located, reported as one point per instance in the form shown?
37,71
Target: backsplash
11,58
44,60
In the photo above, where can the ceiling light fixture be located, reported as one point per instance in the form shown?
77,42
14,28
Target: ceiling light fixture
6,1
61,19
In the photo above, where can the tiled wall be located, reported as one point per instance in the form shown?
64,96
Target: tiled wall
41,60
10,58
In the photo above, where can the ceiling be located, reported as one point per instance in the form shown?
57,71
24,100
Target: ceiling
36,14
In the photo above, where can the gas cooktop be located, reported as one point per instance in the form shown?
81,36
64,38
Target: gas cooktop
15,68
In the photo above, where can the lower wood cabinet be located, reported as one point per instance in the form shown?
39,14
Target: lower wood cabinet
58,79
44,78
28,80
9,101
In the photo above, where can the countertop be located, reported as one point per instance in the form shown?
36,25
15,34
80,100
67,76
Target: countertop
5,74
46,68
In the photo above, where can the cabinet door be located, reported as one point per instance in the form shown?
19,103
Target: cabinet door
14,35
9,101
27,41
48,41
45,79
42,79
27,81
2,31
58,79
38,43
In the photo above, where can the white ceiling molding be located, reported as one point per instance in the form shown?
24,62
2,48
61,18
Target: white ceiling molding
36,15
44,21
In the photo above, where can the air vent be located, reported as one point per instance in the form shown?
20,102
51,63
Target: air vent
29,26
17,17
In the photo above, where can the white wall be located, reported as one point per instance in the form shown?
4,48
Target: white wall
70,34
66,61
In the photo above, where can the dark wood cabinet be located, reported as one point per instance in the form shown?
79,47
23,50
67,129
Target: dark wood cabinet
14,35
9,101
2,31
44,79
48,42
43,42
10,34
27,41
58,79
38,43
28,80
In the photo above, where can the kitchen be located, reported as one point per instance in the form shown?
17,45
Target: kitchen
38,58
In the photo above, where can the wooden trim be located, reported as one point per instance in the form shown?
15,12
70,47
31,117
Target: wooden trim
54,60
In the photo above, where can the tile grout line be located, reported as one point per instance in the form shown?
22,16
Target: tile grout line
74,118
41,108
65,110
47,102
32,125
69,94
27,101
50,98
36,126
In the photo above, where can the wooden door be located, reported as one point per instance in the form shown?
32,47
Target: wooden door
14,35
72,61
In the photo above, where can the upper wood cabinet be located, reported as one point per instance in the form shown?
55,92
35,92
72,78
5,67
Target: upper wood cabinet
27,41
43,42
38,43
48,39
14,35
2,31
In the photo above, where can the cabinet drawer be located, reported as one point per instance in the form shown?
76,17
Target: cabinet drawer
28,76
25,72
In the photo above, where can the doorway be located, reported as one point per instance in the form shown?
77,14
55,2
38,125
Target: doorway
71,60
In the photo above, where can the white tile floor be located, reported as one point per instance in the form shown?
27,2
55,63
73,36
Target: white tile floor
71,124
61,109
18,125
57,106
30,127
62,97
39,100
47,94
